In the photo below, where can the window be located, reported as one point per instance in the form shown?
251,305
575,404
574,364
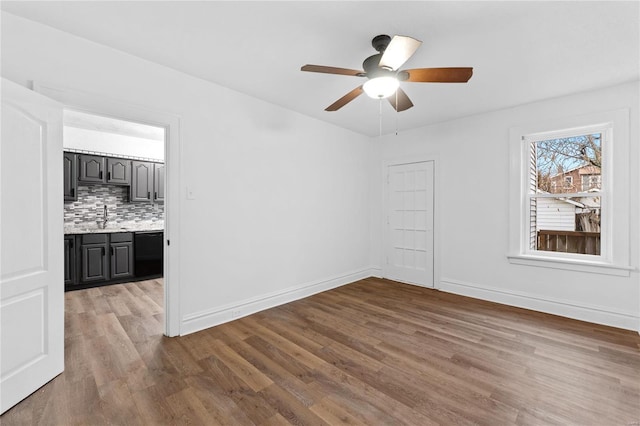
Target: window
591,183
568,181
569,223
564,212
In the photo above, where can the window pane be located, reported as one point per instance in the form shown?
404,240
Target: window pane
566,165
567,224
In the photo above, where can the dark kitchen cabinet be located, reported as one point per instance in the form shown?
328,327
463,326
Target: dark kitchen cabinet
95,263
118,171
121,260
141,181
92,168
69,259
121,251
158,183
96,169
90,259
70,173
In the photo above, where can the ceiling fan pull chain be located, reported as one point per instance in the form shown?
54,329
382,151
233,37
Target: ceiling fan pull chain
380,116
397,112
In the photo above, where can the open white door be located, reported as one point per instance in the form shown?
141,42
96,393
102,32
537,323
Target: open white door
31,251
409,234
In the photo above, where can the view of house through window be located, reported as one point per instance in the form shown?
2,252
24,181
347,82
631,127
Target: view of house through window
565,194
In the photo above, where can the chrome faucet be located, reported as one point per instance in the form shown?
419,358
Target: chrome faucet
105,217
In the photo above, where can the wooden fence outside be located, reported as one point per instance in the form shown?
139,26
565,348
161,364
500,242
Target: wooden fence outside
569,241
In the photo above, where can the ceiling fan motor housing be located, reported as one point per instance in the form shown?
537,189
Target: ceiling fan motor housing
371,65
373,69
380,42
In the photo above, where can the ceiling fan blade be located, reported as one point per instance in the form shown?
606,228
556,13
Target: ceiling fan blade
437,75
403,101
399,50
345,99
332,70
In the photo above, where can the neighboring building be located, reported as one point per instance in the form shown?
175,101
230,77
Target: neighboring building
568,214
585,178
556,214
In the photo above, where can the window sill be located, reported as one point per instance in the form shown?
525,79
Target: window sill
571,265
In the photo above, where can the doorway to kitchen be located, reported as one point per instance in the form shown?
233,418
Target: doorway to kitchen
100,105
114,213
103,106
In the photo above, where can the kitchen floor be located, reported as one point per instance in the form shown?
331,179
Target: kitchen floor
142,299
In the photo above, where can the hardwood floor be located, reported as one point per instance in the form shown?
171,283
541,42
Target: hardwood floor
373,352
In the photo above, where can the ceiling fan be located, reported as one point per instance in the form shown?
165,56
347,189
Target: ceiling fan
383,75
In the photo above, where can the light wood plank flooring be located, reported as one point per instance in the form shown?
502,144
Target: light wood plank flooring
373,352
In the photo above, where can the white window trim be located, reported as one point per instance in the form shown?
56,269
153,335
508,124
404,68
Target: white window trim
614,258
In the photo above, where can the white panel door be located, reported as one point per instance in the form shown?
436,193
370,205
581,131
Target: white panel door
31,250
409,236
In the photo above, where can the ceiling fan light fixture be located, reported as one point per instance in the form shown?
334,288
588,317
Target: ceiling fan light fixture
383,73
381,87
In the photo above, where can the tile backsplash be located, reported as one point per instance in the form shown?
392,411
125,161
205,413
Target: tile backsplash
91,201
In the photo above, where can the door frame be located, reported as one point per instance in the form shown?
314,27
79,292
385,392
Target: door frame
386,236
172,123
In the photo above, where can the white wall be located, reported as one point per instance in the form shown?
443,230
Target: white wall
282,204
112,143
473,165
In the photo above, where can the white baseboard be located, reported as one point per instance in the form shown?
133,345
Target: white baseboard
590,313
219,315
376,271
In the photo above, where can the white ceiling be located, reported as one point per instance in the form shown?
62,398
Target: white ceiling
520,51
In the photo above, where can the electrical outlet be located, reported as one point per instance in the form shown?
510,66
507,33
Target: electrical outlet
235,314
191,193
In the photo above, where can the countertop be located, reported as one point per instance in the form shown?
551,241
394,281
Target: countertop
95,228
